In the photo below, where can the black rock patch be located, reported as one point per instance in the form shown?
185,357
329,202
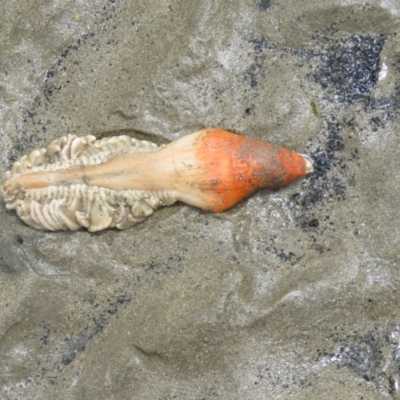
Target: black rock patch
350,67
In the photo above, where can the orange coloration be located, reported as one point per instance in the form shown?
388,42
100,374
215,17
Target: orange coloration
234,167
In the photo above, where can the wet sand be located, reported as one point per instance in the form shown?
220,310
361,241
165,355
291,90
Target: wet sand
293,294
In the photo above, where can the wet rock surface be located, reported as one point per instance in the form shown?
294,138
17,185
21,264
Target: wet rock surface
293,294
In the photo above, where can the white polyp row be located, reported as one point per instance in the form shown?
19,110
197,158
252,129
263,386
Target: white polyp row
76,206
71,150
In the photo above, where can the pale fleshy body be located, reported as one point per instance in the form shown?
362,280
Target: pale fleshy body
119,181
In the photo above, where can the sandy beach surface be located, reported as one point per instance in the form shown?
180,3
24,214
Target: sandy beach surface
294,293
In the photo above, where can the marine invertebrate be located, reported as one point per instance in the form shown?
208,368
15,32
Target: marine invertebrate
116,182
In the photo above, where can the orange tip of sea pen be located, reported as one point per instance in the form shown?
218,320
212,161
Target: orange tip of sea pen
238,166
